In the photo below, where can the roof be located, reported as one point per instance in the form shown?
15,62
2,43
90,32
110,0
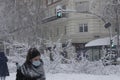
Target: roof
102,41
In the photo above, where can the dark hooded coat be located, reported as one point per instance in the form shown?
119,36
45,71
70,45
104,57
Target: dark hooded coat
3,65
24,71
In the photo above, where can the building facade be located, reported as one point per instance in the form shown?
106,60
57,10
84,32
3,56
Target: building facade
80,25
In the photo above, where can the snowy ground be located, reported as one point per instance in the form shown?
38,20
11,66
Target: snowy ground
83,70
63,76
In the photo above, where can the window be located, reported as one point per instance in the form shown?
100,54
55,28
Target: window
83,28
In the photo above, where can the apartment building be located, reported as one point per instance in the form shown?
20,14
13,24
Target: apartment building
80,26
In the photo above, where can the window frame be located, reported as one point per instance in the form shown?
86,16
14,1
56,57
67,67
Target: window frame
83,27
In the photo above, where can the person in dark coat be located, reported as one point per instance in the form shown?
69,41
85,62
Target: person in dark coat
3,66
32,69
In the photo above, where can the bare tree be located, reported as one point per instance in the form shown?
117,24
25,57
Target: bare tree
21,18
107,10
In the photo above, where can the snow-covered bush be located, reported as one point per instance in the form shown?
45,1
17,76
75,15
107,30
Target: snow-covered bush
71,66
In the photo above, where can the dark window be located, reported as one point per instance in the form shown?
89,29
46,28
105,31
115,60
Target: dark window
83,28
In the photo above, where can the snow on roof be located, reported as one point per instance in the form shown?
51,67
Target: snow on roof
98,42
102,41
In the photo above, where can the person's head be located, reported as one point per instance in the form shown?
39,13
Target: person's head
2,54
33,56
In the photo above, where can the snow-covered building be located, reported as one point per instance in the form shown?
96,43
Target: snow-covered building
80,27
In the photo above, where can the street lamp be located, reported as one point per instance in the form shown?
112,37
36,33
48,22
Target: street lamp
107,25
117,25
116,5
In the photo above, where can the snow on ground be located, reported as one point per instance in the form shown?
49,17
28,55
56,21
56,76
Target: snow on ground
85,67
63,76
83,70
94,68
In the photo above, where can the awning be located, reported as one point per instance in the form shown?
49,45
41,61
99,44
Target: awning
102,42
